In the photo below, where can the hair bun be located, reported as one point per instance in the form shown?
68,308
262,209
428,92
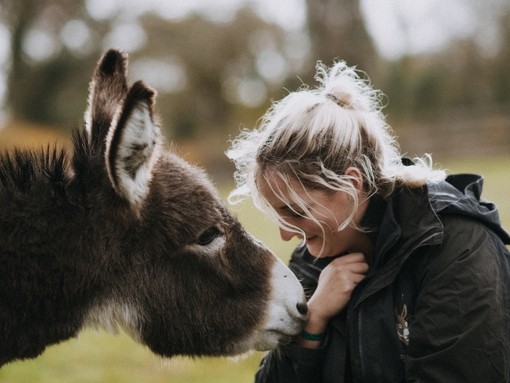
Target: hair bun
342,99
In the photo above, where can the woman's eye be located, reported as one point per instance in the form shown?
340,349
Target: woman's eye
208,236
295,214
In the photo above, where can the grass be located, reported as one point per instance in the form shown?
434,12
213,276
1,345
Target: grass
101,357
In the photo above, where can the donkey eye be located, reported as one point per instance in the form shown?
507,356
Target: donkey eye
208,236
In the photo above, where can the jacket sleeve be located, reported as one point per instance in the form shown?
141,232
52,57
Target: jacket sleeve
291,364
459,330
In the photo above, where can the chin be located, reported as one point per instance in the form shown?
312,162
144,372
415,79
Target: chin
317,251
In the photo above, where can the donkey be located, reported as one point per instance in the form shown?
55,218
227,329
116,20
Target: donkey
124,234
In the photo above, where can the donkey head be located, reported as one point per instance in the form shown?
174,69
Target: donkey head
177,270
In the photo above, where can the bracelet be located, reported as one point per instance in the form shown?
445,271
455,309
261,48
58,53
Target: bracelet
313,337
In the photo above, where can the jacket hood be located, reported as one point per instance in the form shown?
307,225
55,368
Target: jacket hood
461,194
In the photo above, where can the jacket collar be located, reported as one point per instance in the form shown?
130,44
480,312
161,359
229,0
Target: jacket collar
412,220
409,221
461,195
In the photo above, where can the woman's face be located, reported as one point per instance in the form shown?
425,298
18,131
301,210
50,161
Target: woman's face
330,208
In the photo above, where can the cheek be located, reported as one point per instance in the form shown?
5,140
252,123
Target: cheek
304,224
334,239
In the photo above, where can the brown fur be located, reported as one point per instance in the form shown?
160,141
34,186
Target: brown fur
75,250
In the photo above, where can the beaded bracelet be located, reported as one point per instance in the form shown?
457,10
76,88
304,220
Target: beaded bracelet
313,337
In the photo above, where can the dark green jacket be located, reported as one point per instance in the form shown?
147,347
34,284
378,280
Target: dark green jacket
434,307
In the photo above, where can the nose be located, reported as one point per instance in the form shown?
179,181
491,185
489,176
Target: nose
302,308
286,235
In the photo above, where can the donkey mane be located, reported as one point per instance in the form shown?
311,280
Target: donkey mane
21,169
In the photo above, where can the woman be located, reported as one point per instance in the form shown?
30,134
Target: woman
406,269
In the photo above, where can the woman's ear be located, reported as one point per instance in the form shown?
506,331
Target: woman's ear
356,178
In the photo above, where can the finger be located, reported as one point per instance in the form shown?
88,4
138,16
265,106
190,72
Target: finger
357,278
349,258
359,267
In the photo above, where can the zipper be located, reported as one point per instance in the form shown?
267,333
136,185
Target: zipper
357,348
355,329
356,310
360,348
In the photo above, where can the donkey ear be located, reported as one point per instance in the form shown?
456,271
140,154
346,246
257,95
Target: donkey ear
133,145
107,90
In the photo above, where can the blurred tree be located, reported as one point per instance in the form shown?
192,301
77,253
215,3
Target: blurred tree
220,66
337,31
397,88
500,63
44,78
214,75
466,77
207,73
469,75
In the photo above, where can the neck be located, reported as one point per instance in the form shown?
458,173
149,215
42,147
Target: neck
363,236
370,224
363,244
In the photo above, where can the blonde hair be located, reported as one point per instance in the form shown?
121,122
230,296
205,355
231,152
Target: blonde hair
314,135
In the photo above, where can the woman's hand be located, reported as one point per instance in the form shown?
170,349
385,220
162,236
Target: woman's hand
336,284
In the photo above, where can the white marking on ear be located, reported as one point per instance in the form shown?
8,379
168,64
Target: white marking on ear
137,150
112,315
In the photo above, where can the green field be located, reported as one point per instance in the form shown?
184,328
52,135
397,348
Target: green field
101,357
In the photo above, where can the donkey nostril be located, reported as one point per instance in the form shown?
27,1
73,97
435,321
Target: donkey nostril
302,308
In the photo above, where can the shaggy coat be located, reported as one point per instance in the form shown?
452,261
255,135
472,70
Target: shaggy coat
123,233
